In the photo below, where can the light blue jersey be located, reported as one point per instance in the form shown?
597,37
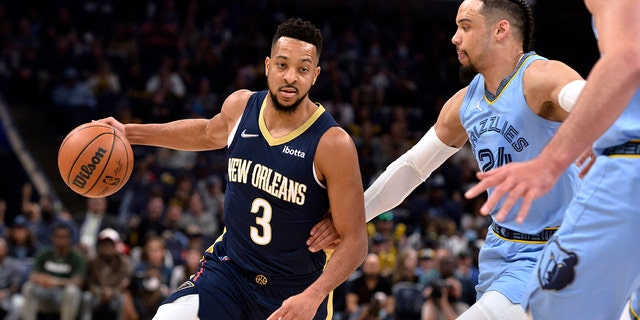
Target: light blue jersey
504,129
626,128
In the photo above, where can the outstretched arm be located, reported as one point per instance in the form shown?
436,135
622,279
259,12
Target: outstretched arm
614,79
407,172
188,134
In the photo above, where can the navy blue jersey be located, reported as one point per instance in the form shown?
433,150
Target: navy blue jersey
273,197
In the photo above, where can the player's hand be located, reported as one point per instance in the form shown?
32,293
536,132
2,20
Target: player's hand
515,181
323,236
114,123
299,307
585,162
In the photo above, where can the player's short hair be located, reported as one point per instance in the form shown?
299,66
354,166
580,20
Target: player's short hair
301,30
517,12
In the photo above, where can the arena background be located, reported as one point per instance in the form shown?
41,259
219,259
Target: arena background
387,68
563,32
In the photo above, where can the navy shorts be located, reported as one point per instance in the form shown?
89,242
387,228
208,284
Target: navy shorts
226,291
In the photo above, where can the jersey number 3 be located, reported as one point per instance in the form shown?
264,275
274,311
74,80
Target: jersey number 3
264,221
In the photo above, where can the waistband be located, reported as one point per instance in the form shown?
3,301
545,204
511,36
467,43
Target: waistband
216,255
512,235
628,148
280,280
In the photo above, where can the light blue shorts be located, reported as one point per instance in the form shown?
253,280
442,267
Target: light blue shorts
591,266
506,266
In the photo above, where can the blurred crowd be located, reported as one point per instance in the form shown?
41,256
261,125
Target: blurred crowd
386,71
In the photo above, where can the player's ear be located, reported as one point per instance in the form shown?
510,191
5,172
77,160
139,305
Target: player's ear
267,61
315,76
502,28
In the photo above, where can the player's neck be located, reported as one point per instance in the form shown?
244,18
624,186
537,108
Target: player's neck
500,69
281,123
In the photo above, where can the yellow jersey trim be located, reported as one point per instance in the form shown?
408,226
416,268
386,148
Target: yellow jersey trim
523,241
291,135
508,82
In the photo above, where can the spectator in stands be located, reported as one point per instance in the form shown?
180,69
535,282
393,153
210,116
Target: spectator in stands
204,103
444,294
467,271
105,85
73,101
198,214
383,246
42,215
151,278
166,91
183,272
433,270
10,298
212,191
56,278
364,287
406,267
22,246
150,222
108,278
91,221
174,235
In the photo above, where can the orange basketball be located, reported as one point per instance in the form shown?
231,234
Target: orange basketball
95,160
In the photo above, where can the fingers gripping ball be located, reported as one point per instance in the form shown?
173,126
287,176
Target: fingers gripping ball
95,160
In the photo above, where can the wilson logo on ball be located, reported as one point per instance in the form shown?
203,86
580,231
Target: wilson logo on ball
87,170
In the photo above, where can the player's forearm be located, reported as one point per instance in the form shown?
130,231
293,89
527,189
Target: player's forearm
404,174
346,258
187,134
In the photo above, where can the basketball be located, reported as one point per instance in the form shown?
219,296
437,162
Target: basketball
95,160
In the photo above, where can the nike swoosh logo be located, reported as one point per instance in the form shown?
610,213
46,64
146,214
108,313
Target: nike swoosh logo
244,134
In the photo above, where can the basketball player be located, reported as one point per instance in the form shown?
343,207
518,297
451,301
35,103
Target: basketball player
288,163
508,112
590,266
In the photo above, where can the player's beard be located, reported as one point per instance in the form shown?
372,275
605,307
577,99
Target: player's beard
286,109
466,73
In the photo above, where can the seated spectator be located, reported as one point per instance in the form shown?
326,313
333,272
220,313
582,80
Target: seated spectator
150,222
22,245
91,220
42,215
56,278
108,278
364,287
105,85
383,246
211,189
175,237
150,285
10,298
443,295
74,102
185,270
199,215
406,268
204,103
166,91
